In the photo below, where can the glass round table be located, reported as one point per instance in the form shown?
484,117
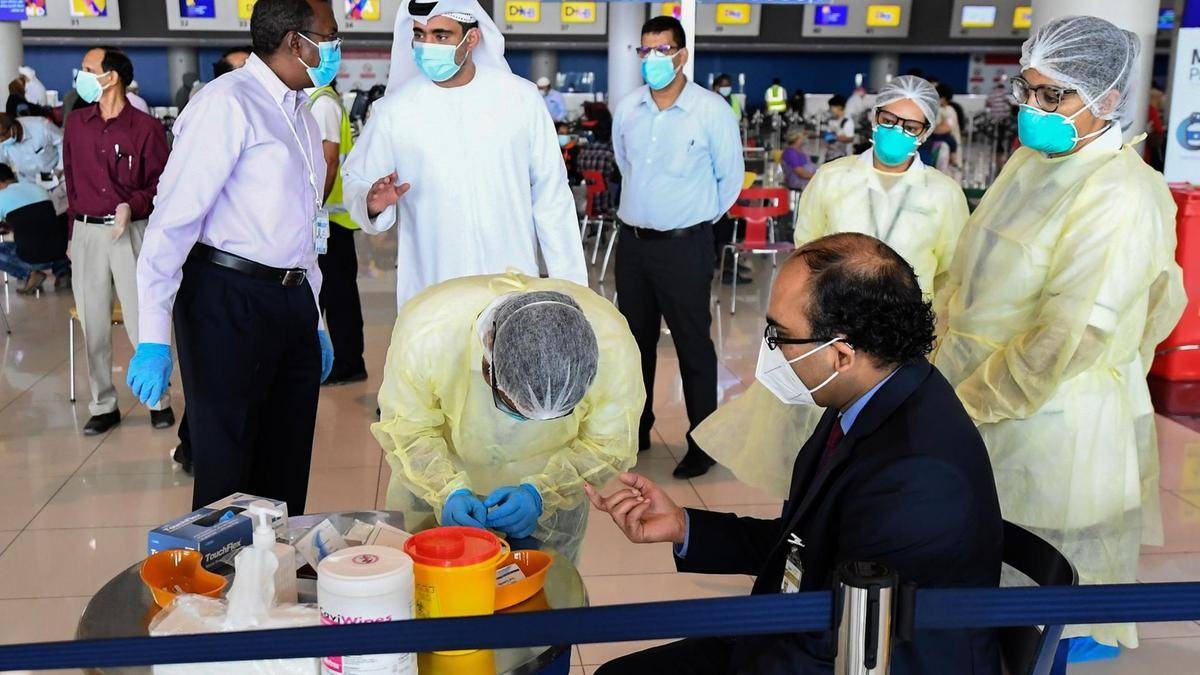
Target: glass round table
125,608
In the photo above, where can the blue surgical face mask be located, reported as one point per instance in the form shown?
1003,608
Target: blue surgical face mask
513,415
1050,133
88,86
892,146
563,140
8,142
659,71
331,61
725,91
437,62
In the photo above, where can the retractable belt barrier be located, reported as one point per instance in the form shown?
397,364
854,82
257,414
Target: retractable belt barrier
755,615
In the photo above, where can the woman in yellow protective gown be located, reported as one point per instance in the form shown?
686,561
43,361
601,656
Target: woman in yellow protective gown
1063,284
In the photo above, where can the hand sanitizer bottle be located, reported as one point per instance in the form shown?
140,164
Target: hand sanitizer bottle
283,554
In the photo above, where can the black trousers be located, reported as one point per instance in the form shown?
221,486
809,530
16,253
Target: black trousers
340,301
705,656
723,232
185,438
671,279
251,366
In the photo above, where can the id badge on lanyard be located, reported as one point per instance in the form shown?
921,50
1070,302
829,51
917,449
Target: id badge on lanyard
320,224
321,231
793,569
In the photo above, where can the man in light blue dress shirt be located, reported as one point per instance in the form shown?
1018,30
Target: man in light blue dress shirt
680,156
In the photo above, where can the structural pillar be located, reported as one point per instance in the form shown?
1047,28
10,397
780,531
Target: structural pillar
625,21
1137,16
12,50
884,66
181,63
687,17
545,64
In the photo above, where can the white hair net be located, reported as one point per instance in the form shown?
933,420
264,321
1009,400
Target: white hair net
544,352
1087,54
914,88
489,53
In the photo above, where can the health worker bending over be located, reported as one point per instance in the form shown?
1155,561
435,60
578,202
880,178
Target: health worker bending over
915,209
1063,284
498,406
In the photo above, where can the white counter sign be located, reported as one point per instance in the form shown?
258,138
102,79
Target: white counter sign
1183,131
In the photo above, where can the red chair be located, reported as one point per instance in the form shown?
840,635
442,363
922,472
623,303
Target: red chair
757,208
596,186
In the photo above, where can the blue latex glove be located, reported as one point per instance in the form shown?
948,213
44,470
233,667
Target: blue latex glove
829,136
464,508
514,510
326,354
150,371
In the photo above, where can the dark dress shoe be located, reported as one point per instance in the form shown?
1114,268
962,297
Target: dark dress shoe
336,378
99,424
183,455
162,419
695,463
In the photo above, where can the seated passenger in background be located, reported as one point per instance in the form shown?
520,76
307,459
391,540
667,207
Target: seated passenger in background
569,144
798,167
598,155
39,235
895,472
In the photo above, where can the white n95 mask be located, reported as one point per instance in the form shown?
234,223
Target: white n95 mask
775,373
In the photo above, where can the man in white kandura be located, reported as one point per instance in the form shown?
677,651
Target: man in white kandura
488,186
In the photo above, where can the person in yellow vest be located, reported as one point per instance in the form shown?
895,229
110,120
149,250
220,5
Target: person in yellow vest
776,98
339,264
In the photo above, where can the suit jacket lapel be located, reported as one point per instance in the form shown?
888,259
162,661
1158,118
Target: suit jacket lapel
881,406
808,459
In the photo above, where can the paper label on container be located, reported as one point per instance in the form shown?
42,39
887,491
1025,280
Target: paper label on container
426,600
509,575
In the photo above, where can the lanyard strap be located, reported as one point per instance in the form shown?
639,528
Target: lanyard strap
885,236
305,151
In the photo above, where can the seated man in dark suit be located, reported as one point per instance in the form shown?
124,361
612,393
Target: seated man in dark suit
895,472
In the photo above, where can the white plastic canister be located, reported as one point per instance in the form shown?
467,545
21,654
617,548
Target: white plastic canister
366,584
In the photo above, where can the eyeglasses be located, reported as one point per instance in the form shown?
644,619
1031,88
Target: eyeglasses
1048,96
886,118
662,50
498,400
771,335
326,37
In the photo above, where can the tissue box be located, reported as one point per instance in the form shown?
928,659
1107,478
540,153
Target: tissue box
204,530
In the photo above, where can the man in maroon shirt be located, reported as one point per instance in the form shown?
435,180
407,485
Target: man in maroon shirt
113,155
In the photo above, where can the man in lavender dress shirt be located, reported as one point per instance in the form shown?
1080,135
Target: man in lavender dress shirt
231,258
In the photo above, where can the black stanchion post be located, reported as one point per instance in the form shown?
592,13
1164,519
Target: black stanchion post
863,607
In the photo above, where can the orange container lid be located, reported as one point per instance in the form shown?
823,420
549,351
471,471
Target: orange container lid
453,547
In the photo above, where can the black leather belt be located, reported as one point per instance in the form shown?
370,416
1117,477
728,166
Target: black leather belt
281,276
96,220
644,233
